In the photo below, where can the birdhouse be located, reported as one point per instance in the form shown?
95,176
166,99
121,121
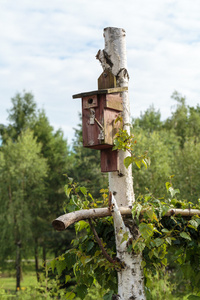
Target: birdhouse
100,109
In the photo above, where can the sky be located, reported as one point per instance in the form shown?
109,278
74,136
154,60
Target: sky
49,48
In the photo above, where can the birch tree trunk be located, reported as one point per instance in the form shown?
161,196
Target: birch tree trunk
130,278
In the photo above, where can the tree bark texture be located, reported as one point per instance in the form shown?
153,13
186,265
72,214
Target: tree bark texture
113,58
44,255
62,222
18,265
36,261
130,278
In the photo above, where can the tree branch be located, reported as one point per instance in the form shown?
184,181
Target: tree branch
105,254
62,222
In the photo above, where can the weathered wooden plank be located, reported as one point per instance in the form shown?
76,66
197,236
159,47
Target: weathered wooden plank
109,160
102,91
107,80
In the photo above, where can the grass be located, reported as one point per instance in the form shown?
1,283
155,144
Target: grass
8,280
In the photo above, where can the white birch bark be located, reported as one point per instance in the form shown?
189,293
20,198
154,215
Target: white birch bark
113,57
62,222
130,278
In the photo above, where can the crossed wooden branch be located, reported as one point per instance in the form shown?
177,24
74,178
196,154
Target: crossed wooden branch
62,222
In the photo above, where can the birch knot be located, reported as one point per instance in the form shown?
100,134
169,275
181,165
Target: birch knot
122,75
104,59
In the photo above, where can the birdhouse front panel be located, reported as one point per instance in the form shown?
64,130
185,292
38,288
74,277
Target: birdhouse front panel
99,112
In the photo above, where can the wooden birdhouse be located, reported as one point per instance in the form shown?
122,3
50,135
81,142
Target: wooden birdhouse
100,109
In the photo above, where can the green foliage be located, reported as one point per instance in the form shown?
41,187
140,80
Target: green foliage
149,121
125,142
21,182
85,166
21,115
166,242
80,198
170,245
24,115
32,206
162,238
173,146
158,286
160,146
187,169
85,260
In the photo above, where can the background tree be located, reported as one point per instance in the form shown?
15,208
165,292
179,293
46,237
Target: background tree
22,196
22,115
161,146
179,119
149,121
85,167
59,160
186,168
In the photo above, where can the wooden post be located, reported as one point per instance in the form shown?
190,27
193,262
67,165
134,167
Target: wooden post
130,279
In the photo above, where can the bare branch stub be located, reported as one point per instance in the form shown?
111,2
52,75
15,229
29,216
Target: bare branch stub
62,222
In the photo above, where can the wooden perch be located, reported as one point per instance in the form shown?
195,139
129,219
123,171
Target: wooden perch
62,222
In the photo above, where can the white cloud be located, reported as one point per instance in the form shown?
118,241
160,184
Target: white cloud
49,48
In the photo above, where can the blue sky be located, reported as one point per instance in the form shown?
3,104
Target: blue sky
49,48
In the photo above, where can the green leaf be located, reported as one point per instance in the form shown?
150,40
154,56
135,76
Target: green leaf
185,236
145,163
194,223
60,266
168,185
81,291
70,179
127,161
198,220
136,211
143,263
67,278
156,252
146,230
89,245
140,246
138,162
83,190
70,259
150,213
90,196
53,263
162,251
193,297
158,242
108,296
119,118
81,225
169,241
165,230
164,261
173,192
70,295
125,237
67,190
